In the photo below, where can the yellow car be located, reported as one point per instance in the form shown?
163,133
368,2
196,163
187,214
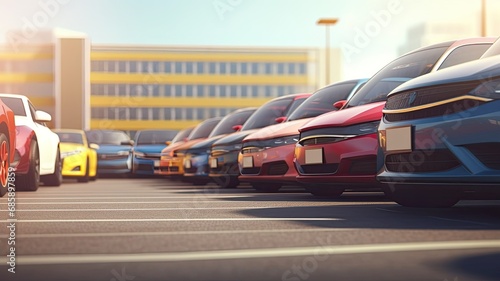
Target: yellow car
78,155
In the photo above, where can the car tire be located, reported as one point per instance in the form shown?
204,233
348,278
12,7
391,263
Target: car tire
4,164
86,177
31,180
266,187
425,196
325,191
227,182
55,179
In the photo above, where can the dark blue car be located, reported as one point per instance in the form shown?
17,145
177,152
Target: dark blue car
147,149
440,136
114,154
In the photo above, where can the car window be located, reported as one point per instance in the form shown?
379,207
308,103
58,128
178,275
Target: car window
33,114
154,137
464,54
226,125
398,71
70,137
107,137
322,101
204,129
266,114
182,135
16,104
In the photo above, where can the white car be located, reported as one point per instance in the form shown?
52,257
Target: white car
37,157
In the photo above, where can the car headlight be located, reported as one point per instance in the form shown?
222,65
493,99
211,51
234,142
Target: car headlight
123,152
368,128
285,140
488,89
237,146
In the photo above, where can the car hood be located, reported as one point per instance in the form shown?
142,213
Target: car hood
347,117
66,147
234,138
185,146
206,144
481,69
279,130
172,146
151,148
110,148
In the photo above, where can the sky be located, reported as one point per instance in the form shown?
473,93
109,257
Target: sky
368,33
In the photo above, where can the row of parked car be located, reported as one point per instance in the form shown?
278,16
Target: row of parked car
423,129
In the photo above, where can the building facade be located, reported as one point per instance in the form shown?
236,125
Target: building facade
130,88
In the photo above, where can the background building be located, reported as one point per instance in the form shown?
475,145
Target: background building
145,87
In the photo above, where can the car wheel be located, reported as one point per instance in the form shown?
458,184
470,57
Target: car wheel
55,179
31,180
4,165
425,196
326,191
85,178
266,187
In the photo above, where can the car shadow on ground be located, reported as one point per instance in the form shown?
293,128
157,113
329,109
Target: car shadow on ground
484,266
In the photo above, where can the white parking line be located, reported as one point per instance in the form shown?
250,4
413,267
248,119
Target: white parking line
254,253
172,233
117,202
172,220
132,197
133,209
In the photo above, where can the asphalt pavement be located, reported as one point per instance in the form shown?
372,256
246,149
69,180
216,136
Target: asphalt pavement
121,229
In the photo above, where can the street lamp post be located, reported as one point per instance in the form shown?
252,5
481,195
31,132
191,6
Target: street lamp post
327,22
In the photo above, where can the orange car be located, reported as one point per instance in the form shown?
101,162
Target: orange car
7,145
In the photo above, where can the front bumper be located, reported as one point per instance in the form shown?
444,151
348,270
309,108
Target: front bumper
349,162
460,149
268,165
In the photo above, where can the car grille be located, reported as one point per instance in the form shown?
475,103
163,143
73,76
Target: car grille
440,110
421,161
321,140
277,168
112,156
250,171
320,169
365,166
487,153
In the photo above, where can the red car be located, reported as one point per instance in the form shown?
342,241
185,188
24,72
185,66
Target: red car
7,145
339,150
266,157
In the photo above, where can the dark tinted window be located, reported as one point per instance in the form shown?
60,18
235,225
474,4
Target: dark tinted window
107,137
155,137
204,129
266,115
322,101
16,104
70,137
226,125
392,75
464,54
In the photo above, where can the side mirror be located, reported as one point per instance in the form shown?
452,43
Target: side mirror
42,116
237,128
339,104
168,142
94,146
280,119
129,142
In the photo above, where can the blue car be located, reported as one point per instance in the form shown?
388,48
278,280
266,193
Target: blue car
440,136
147,148
114,154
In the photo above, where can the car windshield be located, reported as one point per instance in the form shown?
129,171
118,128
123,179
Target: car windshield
322,101
204,129
154,137
266,115
107,137
16,104
400,70
182,135
70,137
227,123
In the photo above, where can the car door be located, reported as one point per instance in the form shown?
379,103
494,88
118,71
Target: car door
47,143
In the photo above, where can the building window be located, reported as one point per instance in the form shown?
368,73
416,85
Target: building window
255,68
200,68
281,68
189,68
268,68
223,68
178,67
233,91
212,91
291,68
178,90
244,91
167,113
133,115
189,113
189,91
156,113
200,90
178,113
233,68
244,68
168,91
212,68
167,67
302,68
145,114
